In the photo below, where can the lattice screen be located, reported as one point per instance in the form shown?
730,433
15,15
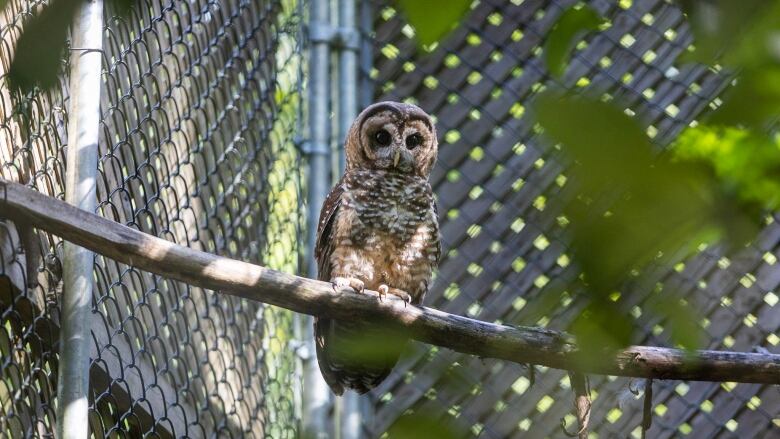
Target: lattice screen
200,104
500,190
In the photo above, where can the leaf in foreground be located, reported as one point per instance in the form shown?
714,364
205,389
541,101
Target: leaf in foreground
432,20
733,34
421,425
563,37
38,54
635,206
753,102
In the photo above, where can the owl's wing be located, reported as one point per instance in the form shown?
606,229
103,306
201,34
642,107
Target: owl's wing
438,232
322,251
324,245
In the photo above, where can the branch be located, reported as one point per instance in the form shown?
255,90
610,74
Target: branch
582,404
518,344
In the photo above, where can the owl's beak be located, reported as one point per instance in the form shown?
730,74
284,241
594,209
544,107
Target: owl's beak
396,158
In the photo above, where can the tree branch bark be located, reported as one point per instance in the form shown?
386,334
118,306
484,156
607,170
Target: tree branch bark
518,344
582,403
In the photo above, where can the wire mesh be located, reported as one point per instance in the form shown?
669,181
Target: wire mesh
32,135
200,106
500,191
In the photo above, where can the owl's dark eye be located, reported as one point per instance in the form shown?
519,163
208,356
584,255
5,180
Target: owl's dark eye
413,141
382,137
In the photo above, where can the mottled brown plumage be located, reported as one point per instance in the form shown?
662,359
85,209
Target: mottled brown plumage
377,230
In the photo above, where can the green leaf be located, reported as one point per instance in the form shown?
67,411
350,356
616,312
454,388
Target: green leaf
757,45
733,33
433,19
422,425
601,328
680,319
754,101
658,200
658,206
747,165
564,36
39,51
635,206
362,350
121,8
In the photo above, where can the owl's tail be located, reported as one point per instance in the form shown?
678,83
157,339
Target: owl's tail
355,356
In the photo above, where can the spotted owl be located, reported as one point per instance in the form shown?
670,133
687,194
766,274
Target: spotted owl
378,230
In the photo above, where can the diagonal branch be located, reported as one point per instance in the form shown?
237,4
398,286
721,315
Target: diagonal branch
229,276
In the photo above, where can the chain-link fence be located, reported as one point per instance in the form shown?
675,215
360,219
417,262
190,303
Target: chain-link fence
32,135
500,191
201,101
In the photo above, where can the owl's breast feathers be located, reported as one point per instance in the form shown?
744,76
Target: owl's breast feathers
391,203
381,228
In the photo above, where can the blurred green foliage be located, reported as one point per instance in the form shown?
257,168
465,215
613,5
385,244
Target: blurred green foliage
738,142
636,204
633,207
432,20
563,38
39,53
661,203
733,33
753,101
422,425
38,57
746,164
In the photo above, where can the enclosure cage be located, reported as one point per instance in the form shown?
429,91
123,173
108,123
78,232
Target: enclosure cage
204,141
199,108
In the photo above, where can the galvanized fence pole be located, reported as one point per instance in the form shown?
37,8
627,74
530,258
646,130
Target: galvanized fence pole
348,63
80,183
366,87
316,394
350,418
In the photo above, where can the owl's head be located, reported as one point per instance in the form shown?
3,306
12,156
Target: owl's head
392,136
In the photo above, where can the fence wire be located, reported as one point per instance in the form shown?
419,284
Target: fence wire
200,106
32,135
500,191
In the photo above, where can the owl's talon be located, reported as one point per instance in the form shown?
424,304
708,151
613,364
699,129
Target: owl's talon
355,284
401,294
382,290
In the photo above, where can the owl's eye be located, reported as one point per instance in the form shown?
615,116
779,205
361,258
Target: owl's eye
382,137
413,141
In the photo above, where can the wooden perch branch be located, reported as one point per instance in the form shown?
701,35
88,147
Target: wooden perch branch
518,344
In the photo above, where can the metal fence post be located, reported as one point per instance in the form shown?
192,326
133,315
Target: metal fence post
80,183
350,419
366,88
316,394
348,63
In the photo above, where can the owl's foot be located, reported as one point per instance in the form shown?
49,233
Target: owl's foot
348,282
384,290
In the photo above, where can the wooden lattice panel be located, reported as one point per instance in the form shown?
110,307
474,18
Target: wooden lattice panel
500,191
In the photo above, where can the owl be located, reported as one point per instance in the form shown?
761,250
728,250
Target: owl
377,230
